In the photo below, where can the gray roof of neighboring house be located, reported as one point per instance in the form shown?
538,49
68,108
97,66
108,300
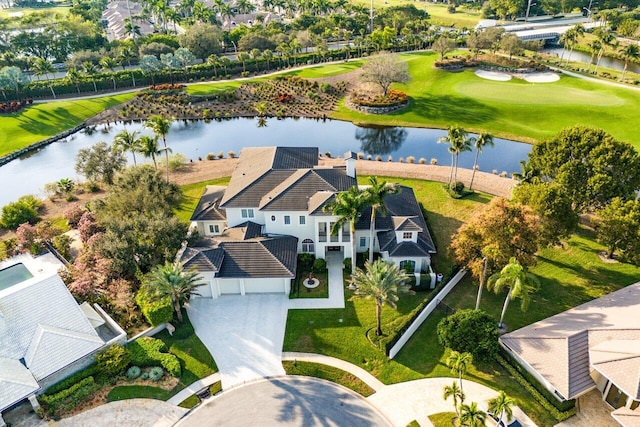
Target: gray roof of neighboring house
208,205
561,348
403,214
627,417
243,252
16,382
261,169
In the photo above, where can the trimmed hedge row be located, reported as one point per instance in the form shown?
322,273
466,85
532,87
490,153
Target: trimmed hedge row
147,351
70,397
542,400
89,371
157,312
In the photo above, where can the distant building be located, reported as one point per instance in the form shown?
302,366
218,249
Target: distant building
114,19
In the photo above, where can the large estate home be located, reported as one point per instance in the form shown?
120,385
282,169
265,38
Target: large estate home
44,334
595,345
274,208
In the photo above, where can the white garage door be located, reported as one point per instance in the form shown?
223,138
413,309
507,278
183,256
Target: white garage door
204,290
263,286
229,286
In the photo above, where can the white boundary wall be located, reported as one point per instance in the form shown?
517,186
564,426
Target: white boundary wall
425,313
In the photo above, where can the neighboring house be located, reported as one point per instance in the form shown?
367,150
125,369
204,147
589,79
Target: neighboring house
594,345
275,206
114,19
44,334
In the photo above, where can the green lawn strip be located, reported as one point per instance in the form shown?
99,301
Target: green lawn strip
195,359
213,87
41,121
326,70
442,419
329,373
514,109
193,400
300,291
191,194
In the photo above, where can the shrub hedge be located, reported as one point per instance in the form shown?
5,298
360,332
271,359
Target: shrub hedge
147,351
89,371
70,397
157,312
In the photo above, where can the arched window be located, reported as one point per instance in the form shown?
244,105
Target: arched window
308,246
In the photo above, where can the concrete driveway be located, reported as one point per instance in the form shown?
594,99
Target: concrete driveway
287,401
244,334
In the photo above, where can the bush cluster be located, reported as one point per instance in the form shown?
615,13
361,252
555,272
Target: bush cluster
112,361
133,372
472,331
89,371
147,351
156,373
306,260
393,98
13,106
167,86
157,312
70,397
319,265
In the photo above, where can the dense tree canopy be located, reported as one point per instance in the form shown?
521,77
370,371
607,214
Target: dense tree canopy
472,331
618,228
589,165
100,162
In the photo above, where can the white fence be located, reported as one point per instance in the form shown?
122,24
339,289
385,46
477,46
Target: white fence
425,313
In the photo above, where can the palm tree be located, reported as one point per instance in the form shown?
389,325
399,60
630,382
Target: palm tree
149,148
375,194
107,63
383,282
454,392
518,280
213,61
160,127
529,174
594,47
348,206
607,39
457,138
171,281
629,52
459,363
571,38
90,70
243,57
42,67
128,141
484,139
267,54
502,405
73,77
472,416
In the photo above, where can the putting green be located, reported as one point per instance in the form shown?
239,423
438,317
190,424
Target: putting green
521,92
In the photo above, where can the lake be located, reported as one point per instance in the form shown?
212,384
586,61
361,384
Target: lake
196,139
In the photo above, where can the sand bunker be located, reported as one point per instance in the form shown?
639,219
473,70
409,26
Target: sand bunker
542,77
492,75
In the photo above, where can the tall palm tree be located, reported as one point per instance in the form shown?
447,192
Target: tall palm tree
454,392
160,127
472,416
348,206
571,38
607,39
127,141
375,194
149,148
594,47
383,282
73,76
459,363
502,405
171,281
457,138
484,139
630,52
89,68
518,280
107,63
42,67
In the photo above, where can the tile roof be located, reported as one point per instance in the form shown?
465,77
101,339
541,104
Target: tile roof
559,347
16,382
627,417
405,223
208,205
265,257
318,201
260,169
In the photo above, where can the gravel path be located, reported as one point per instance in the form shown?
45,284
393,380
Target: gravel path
485,182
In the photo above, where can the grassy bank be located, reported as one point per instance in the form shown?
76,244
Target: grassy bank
41,121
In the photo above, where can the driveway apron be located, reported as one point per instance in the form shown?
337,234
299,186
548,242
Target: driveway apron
244,334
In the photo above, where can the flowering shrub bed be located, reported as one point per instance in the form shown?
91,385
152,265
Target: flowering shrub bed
13,106
167,86
393,98
284,97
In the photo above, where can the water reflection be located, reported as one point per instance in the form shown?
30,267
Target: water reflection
380,139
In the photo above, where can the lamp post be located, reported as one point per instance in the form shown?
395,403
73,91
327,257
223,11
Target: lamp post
529,4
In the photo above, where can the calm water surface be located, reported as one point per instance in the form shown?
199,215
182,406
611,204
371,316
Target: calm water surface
196,139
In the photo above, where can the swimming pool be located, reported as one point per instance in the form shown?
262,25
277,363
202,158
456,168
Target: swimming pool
13,275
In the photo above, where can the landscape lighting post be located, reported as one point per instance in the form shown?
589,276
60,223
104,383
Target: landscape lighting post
529,4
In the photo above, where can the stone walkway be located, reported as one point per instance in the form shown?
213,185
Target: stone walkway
593,411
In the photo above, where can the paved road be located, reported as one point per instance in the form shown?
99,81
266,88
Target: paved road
287,401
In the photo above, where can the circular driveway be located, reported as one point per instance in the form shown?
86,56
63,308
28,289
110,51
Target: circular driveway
287,401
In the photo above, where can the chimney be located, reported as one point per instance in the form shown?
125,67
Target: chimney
350,160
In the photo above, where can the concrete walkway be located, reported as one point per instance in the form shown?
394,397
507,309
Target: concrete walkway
194,388
365,376
336,287
132,412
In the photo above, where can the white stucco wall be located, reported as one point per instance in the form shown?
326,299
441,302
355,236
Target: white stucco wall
234,216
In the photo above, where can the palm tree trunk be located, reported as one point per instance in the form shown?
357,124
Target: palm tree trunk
52,91
482,279
460,380
473,173
504,308
352,232
624,70
598,61
451,172
378,318
372,227
155,164
455,173
178,310
134,157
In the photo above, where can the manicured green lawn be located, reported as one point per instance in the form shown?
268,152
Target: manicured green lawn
327,70
298,290
330,373
191,194
40,121
443,419
514,109
212,87
195,359
438,13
